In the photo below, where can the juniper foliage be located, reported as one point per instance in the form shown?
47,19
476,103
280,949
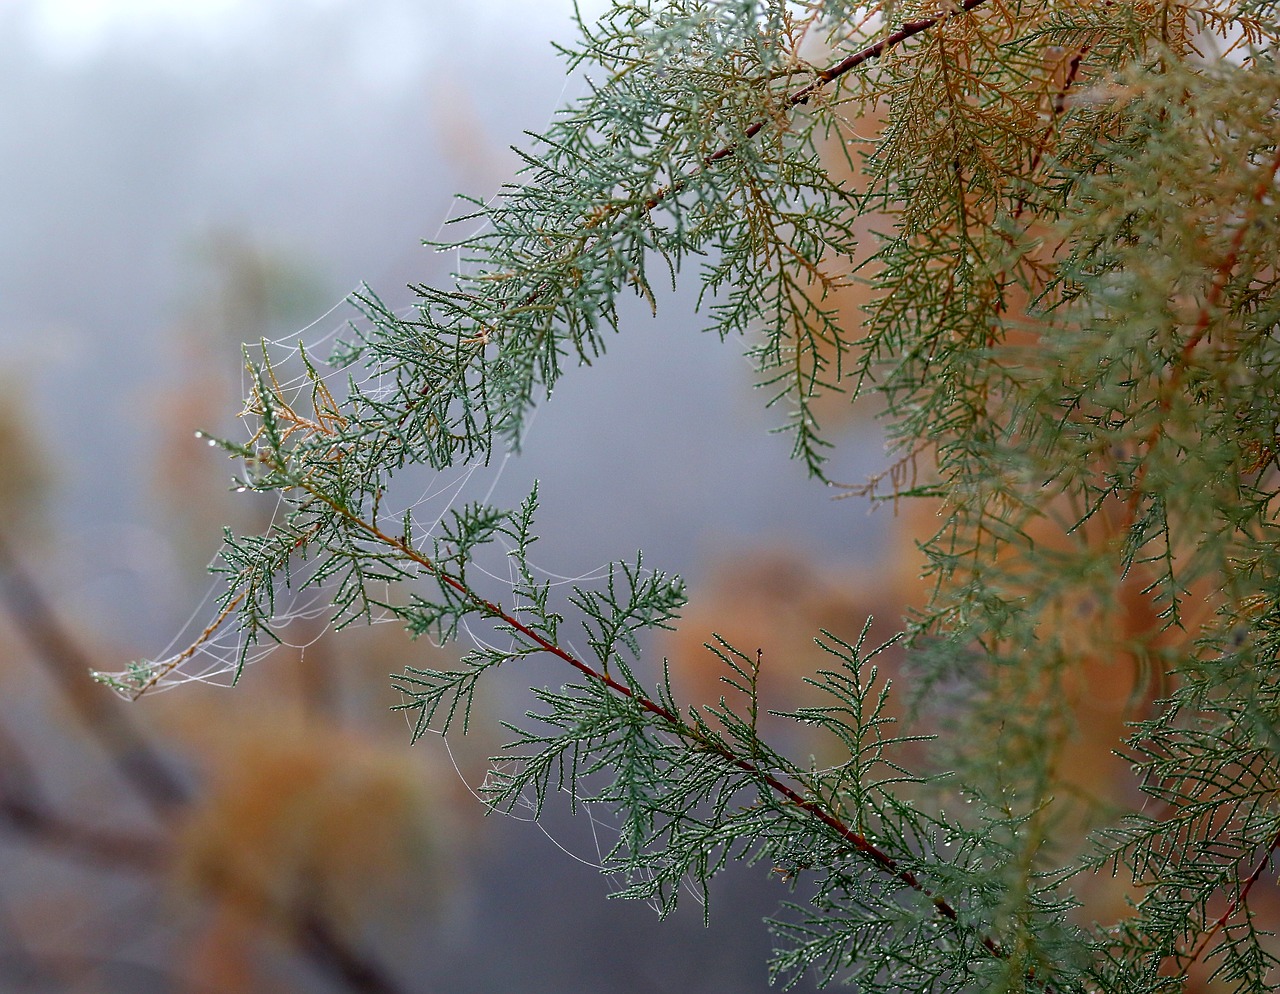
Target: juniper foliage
1065,216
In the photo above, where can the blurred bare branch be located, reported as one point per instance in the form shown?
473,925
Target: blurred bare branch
26,811
147,771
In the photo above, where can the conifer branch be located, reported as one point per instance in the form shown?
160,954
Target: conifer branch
833,72
1042,378
1184,960
850,62
1178,370
1057,109
672,721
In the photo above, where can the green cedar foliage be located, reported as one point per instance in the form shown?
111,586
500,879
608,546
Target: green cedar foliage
1065,217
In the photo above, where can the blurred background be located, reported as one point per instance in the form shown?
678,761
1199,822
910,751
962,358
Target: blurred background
178,178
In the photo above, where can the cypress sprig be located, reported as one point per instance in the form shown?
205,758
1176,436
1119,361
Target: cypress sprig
1064,222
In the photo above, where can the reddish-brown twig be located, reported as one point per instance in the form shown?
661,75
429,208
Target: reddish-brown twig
1186,959
1213,298
673,721
823,76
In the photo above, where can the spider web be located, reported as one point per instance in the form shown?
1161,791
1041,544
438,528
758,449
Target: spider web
211,648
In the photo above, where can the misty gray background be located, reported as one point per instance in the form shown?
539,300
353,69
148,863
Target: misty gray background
334,135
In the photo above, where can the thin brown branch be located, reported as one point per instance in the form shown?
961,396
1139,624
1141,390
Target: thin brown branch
1213,299
1058,108
101,847
823,76
903,470
316,937
25,811
908,30
1184,960
676,724
163,669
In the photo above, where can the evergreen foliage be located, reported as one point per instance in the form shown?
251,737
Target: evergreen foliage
1073,333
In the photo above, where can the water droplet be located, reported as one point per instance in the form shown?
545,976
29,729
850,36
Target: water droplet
212,442
199,434
241,490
